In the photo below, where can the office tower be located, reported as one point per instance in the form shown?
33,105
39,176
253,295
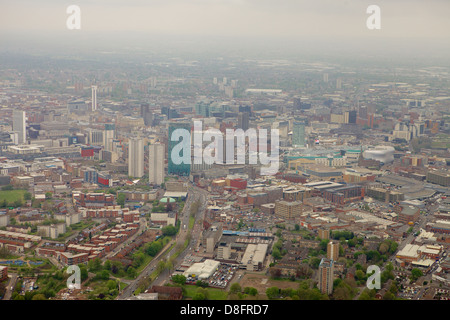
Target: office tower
326,277
202,108
146,114
136,157
245,109
94,98
297,104
215,80
182,169
20,125
156,164
153,82
350,116
243,120
171,113
325,77
338,83
108,136
298,134
363,112
333,251
229,91
95,136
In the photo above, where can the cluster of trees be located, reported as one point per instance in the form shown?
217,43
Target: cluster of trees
344,289
48,286
390,294
169,230
105,288
420,143
361,274
341,234
201,294
121,199
105,291
416,274
149,249
15,204
277,251
5,253
385,249
195,206
238,293
158,207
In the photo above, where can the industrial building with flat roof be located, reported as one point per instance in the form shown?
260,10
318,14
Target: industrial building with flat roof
254,255
202,270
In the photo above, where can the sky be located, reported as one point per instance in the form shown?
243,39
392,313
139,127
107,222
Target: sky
416,22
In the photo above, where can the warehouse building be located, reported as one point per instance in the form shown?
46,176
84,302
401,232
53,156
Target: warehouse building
202,270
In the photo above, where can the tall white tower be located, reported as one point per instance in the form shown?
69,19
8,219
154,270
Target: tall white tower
94,98
156,164
20,125
136,157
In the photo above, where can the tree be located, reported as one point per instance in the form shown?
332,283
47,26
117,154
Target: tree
83,273
153,249
416,274
235,288
4,252
39,296
272,292
111,284
199,296
179,278
107,265
276,254
17,203
251,291
366,295
121,199
169,230
360,275
275,272
48,195
388,296
27,196
131,272
384,247
314,262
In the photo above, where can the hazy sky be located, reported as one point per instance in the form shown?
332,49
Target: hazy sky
415,24
399,18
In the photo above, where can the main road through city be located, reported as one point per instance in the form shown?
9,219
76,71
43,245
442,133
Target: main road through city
194,194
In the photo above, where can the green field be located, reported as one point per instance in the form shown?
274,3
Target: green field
11,196
441,141
213,293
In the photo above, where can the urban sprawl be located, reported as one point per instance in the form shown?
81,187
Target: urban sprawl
88,179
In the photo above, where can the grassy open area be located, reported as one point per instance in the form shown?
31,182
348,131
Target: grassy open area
441,141
191,222
11,196
213,293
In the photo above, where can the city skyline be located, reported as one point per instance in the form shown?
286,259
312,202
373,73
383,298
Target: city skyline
261,153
